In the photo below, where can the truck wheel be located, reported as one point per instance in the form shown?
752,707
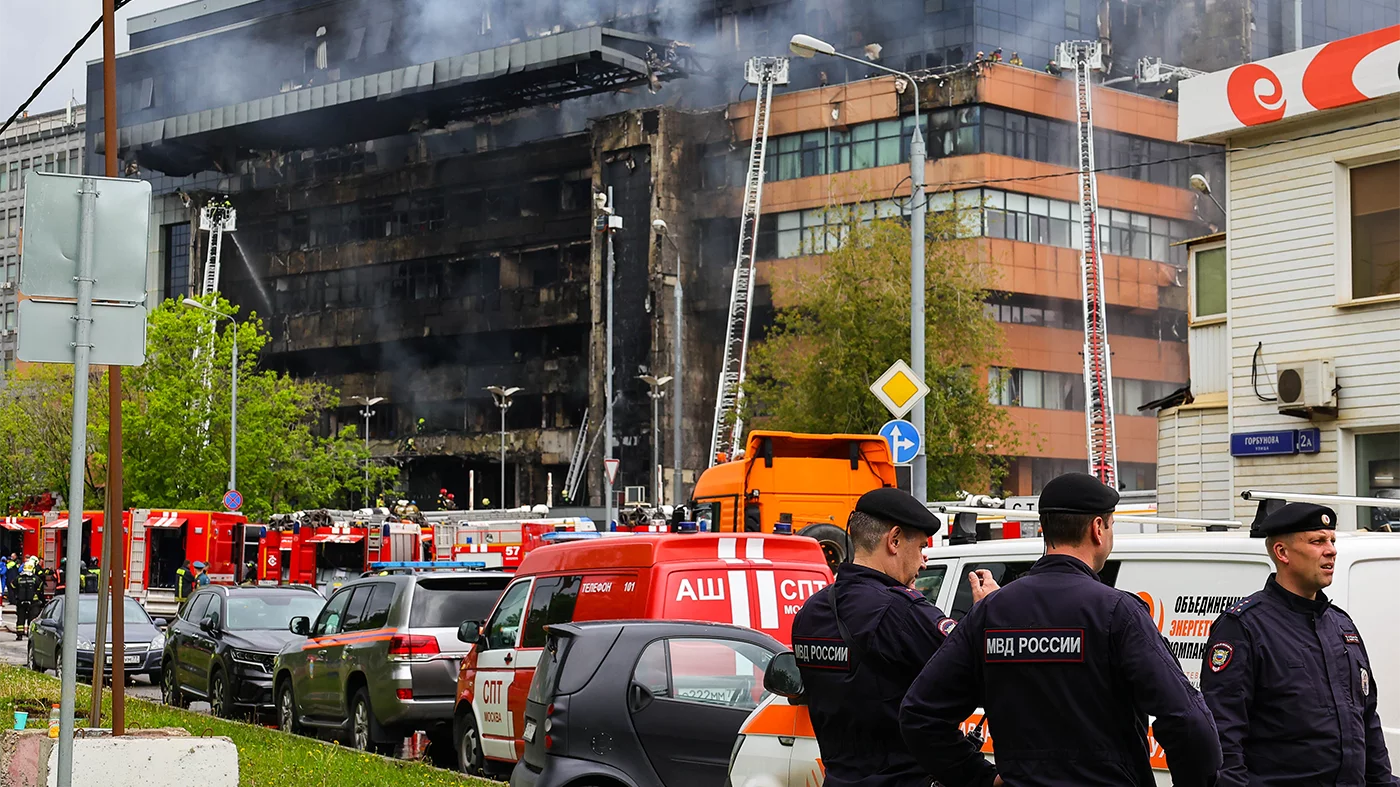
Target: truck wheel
835,544
470,760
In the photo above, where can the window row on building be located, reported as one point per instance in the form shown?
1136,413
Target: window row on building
961,131
10,263
13,175
991,213
1017,309
1065,391
10,222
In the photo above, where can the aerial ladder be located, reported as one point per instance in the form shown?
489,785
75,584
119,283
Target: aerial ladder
728,430
1084,58
216,217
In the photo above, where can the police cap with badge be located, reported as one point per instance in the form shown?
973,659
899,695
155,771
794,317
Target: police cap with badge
1295,518
898,507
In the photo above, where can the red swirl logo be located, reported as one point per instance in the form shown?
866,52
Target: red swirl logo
1330,80
1252,107
1156,611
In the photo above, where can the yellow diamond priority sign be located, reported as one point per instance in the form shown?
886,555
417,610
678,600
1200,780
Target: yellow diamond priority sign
899,389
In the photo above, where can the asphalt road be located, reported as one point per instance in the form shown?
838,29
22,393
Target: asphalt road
12,651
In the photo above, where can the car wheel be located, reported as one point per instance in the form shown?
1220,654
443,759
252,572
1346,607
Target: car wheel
365,732
470,760
170,692
29,660
220,695
287,709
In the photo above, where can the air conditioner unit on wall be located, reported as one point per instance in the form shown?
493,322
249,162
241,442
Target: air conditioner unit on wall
1307,389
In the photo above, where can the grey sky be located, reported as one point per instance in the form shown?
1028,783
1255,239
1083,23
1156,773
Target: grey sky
37,33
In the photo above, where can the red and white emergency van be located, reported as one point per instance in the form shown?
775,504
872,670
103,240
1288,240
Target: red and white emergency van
54,535
500,543
756,580
328,556
1187,580
20,534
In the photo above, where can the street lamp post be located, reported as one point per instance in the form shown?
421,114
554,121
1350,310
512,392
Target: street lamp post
677,368
368,402
656,383
233,394
502,396
608,222
807,46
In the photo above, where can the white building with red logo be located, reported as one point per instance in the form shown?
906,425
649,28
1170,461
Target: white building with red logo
1295,308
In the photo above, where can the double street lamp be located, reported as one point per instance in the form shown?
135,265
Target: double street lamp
677,367
233,387
656,393
368,402
807,46
502,397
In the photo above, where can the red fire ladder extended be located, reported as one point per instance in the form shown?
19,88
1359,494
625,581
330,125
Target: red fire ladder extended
728,430
1084,57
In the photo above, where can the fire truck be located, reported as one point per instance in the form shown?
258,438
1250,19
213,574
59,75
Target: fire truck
54,536
325,549
500,542
20,534
160,541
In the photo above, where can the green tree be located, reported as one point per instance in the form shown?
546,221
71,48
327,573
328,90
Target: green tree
176,420
36,428
843,321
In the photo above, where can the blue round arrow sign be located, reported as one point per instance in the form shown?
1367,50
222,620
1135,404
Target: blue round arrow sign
904,440
233,500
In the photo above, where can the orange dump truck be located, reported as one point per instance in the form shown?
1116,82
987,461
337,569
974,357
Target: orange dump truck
808,483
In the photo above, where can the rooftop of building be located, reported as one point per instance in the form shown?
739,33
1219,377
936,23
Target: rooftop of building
29,127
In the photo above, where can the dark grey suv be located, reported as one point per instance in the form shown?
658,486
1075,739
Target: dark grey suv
380,660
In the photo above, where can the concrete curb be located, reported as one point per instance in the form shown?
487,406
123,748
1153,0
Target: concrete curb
142,758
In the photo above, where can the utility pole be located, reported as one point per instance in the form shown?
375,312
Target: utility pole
368,402
608,223
656,393
502,397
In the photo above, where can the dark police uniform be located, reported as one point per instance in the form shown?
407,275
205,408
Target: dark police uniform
1291,686
1068,670
853,687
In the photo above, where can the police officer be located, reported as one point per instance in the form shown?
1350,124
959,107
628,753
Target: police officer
184,581
201,573
1286,673
860,642
1067,668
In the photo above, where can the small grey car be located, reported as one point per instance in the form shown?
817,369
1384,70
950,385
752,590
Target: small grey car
380,660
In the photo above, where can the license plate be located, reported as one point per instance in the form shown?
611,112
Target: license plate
131,659
529,732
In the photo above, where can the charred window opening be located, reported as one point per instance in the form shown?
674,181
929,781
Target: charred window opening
651,121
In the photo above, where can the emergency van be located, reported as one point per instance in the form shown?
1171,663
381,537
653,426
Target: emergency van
1187,580
755,580
19,534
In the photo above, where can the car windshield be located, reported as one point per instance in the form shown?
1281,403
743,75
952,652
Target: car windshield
87,612
447,601
270,611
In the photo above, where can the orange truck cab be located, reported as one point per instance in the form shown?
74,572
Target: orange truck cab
754,580
807,482
19,534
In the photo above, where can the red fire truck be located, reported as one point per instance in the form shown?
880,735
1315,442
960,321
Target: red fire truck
306,551
20,534
54,535
500,543
161,541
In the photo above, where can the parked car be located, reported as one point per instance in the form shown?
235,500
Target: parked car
381,659
222,645
753,579
143,637
635,703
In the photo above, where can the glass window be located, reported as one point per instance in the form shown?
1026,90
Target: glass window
723,672
504,626
551,603
444,602
197,607
888,147
355,610
1378,475
4,178
177,261
1032,389
651,669
1003,573
269,611
330,619
1375,230
1210,283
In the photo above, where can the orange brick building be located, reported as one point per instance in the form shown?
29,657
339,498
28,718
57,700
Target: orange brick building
1009,131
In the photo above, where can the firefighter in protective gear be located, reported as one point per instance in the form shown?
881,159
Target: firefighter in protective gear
26,596
184,581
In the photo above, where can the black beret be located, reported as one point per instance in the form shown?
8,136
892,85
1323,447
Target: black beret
1077,493
890,504
1298,518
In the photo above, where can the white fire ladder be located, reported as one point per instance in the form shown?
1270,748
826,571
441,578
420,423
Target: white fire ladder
728,430
215,218
1084,57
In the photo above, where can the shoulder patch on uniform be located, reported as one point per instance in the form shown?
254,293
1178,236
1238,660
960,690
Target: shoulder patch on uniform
1240,606
1220,655
909,593
946,626
1351,637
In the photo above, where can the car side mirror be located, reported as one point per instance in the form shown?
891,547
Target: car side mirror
160,623
470,631
300,625
210,624
782,677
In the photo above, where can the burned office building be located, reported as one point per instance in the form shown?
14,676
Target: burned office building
417,182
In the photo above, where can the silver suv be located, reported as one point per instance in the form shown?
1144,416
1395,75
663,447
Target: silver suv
380,660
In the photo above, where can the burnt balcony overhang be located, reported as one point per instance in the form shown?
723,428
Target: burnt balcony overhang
428,95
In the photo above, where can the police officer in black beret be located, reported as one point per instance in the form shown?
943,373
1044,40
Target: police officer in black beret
1067,668
1286,674
860,642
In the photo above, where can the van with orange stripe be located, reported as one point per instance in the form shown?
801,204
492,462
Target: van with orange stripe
755,580
1187,580
380,660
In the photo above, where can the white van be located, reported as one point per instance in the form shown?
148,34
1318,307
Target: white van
1187,580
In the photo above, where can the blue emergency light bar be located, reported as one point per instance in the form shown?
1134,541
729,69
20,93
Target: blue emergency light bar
427,565
569,536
